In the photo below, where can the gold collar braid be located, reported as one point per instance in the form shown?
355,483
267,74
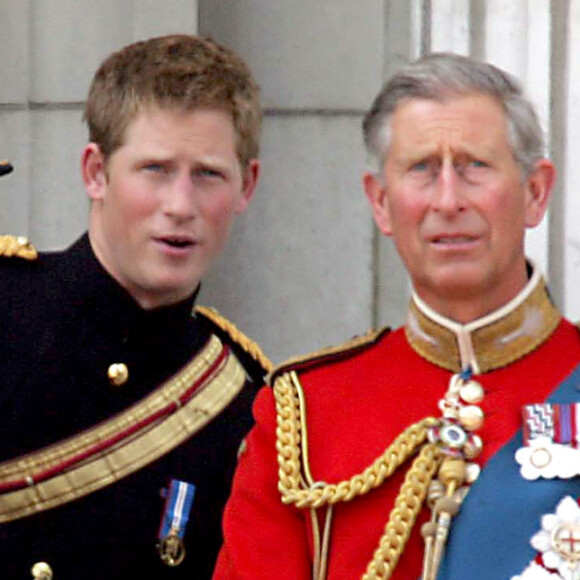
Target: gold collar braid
488,343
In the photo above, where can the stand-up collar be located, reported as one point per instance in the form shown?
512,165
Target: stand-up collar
92,288
490,342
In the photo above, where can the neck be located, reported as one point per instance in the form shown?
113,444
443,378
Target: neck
466,310
147,300
464,307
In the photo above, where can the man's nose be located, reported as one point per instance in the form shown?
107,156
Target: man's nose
180,198
448,197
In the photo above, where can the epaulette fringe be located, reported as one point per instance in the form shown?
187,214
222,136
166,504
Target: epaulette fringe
18,247
336,351
237,336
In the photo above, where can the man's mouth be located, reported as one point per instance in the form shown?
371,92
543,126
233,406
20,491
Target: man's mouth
454,239
177,241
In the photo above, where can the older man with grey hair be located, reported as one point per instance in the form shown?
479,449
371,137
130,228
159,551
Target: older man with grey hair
394,455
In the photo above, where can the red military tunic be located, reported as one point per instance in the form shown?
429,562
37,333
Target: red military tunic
357,401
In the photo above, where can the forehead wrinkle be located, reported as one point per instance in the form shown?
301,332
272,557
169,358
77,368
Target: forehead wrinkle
453,119
438,138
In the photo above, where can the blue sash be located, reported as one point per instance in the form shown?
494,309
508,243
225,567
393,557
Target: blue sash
490,537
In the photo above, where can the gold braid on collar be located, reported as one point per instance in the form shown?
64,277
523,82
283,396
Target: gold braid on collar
491,342
17,246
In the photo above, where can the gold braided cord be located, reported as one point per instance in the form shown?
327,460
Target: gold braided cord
288,447
288,435
402,518
297,487
17,246
237,336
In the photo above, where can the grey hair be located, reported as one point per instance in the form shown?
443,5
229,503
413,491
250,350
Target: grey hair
439,76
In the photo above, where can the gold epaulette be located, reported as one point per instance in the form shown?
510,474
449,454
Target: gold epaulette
247,344
17,246
331,353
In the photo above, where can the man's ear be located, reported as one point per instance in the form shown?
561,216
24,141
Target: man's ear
250,180
94,171
375,191
539,187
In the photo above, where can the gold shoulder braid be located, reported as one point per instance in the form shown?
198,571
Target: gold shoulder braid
236,335
434,453
324,354
17,246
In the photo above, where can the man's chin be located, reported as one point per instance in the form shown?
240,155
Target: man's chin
458,281
453,286
165,292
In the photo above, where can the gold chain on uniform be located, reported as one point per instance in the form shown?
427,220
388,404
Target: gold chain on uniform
292,486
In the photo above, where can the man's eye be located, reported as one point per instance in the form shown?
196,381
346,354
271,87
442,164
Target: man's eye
155,168
420,166
430,166
477,163
208,172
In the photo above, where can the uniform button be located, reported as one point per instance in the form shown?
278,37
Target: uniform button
118,374
41,571
473,471
471,417
471,392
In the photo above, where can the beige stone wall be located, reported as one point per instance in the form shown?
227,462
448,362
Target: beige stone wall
306,267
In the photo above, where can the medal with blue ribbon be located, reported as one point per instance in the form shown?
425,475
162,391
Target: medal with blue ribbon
178,505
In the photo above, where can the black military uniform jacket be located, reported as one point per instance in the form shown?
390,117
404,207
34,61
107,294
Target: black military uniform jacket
63,322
